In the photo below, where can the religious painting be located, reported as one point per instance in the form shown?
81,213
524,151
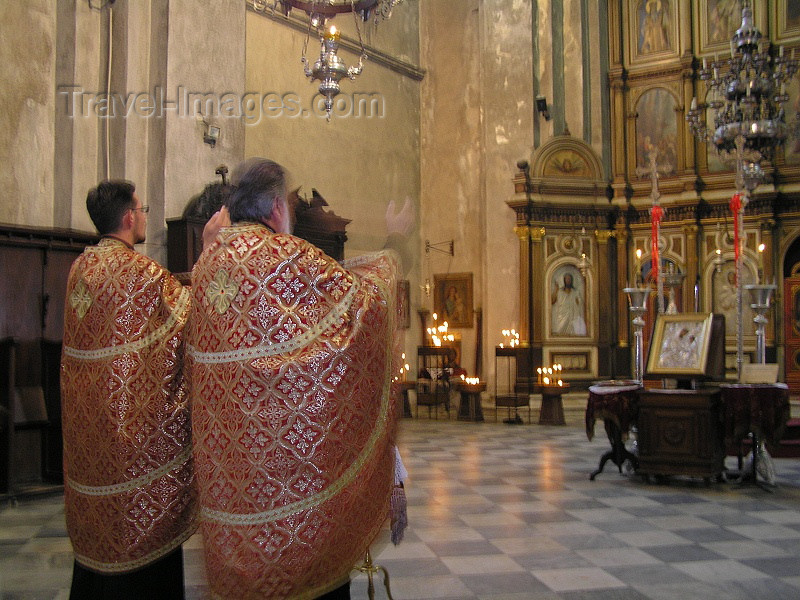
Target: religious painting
567,301
724,298
656,130
566,163
452,299
719,20
404,303
724,18
572,362
714,163
680,344
792,106
654,30
654,18
787,17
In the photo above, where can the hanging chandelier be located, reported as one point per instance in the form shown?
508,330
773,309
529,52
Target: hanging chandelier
747,93
329,69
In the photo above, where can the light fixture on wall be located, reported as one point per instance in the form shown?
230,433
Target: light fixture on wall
541,107
747,93
330,69
447,247
211,134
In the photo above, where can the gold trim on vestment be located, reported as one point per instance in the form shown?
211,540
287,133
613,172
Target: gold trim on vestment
138,482
300,341
132,565
163,332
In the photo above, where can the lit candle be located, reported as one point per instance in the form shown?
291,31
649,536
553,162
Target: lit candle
761,248
333,33
546,381
638,273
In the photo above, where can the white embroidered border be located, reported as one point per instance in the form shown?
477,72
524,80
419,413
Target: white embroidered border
299,341
349,475
162,332
141,481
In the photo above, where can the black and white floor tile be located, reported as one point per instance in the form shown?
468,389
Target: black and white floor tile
507,512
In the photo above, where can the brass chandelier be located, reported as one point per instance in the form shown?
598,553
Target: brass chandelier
329,69
746,93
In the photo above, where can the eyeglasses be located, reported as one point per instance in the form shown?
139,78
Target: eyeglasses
144,208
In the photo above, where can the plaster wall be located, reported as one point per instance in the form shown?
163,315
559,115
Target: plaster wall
205,75
26,75
508,98
367,155
485,62
451,167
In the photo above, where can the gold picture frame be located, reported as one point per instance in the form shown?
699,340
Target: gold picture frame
404,303
654,30
786,16
680,345
452,299
718,20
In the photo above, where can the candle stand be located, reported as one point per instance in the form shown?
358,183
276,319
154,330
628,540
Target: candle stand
637,298
761,298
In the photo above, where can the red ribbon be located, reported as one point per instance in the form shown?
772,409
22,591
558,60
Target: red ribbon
655,213
736,206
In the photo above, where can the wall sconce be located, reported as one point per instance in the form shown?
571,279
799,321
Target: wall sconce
210,134
583,264
541,107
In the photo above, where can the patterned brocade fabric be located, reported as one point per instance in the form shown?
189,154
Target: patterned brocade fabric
293,412
129,491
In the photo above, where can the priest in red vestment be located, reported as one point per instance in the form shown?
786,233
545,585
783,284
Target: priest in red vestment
129,495
293,418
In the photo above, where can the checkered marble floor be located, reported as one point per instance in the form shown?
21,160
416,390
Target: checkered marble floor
507,512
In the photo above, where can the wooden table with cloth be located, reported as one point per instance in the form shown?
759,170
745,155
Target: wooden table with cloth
616,403
758,409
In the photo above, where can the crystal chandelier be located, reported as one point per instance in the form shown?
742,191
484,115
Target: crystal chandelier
329,69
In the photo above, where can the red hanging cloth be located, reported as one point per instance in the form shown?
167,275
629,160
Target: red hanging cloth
656,212
736,206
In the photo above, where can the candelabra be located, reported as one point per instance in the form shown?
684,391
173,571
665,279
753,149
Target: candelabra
673,280
746,92
330,69
761,296
637,297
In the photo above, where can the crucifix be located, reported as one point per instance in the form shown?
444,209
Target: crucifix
656,213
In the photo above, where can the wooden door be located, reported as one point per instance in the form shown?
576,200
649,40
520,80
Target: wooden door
791,321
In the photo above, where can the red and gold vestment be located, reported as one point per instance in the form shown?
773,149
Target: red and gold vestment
128,479
293,421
